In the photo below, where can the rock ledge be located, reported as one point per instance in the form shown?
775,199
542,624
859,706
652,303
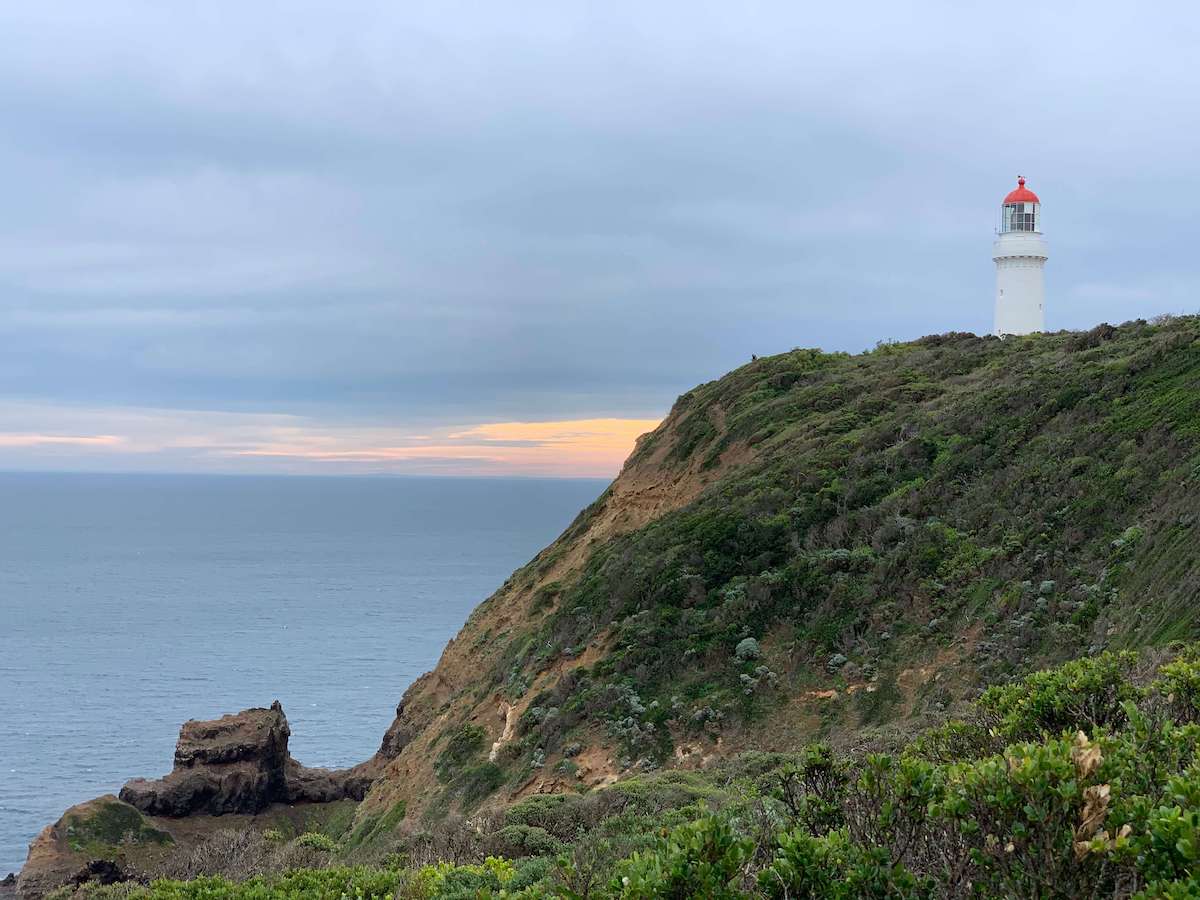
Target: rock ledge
239,764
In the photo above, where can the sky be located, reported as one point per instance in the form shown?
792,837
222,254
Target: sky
500,239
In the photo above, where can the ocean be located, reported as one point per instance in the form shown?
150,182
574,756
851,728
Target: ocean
130,603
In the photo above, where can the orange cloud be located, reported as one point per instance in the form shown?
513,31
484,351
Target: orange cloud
569,447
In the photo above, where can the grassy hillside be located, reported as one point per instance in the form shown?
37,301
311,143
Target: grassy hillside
872,539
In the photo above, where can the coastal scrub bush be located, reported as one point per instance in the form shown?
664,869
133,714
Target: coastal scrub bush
374,827
561,815
1028,820
1110,813
446,881
1179,683
314,840
1081,694
515,841
747,650
954,741
231,853
702,859
359,883
812,789
833,867
477,782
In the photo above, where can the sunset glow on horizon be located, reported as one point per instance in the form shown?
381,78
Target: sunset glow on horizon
579,448
206,441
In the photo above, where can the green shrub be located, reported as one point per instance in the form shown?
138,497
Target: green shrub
702,859
372,828
832,867
1082,694
1023,817
317,841
1179,683
559,814
447,881
477,782
955,741
812,789
747,650
1188,889
515,841
304,884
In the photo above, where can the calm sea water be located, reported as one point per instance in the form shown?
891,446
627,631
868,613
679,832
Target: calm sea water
129,604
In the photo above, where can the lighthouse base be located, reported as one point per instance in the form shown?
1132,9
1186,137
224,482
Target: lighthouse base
1020,283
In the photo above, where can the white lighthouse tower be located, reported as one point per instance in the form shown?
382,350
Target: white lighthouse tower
1020,255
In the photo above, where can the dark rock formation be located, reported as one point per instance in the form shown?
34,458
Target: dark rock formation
239,764
399,734
101,871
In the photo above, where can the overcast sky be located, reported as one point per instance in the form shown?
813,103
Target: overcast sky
488,238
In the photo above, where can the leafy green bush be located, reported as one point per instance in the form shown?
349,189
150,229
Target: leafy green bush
317,841
954,741
702,859
1028,819
812,789
833,867
1114,813
1081,694
306,884
559,814
447,881
476,782
372,828
514,841
1179,682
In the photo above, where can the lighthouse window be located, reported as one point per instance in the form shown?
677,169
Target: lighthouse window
1021,217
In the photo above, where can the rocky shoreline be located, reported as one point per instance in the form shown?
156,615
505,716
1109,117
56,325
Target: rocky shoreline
234,771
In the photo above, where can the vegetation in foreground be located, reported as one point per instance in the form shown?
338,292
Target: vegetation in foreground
1078,781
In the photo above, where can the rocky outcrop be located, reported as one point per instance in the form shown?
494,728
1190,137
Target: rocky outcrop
231,772
239,764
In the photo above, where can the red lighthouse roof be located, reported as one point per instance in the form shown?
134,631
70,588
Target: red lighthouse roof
1021,194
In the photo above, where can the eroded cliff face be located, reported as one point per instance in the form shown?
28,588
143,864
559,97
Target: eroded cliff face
464,687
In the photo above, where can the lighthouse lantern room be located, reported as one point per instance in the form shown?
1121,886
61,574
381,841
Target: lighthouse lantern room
1020,255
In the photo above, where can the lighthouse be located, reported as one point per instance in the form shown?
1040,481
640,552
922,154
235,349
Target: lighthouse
1020,255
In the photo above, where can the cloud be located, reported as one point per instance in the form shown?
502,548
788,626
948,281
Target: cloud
15,439
168,440
416,216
